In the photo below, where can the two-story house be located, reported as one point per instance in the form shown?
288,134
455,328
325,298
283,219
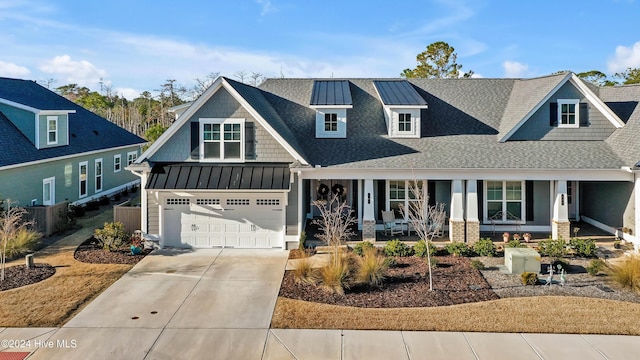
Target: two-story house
54,150
242,165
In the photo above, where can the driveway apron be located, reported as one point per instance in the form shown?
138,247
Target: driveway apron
177,303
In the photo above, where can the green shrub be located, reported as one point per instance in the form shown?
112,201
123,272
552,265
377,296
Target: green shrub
626,274
303,271
595,266
583,247
397,248
514,243
111,236
77,211
552,248
420,248
529,278
485,247
335,275
477,264
458,248
391,261
23,243
361,248
372,268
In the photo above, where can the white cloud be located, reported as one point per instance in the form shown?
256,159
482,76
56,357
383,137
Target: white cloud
12,70
127,93
80,72
267,7
625,57
514,69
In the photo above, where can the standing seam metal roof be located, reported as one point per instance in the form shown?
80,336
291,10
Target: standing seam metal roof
331,92
398,92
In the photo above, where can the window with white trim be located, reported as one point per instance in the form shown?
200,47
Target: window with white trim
400,195
52,130
404,122
222,139
117,163
98,173
568,113
49,191
330,122
132,156
504,201
82,178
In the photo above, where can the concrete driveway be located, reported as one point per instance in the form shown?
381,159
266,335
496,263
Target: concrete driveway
179,304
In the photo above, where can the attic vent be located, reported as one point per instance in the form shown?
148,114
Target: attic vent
95,132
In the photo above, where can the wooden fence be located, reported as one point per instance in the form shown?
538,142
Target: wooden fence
48,219
130,216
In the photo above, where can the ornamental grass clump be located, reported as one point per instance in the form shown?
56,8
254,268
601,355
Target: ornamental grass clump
596,266
335,275
303,271
626,273
24,242
529,278
372,268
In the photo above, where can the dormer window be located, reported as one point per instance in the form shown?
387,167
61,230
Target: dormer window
331,99
568,113
330,122
404,122
402,106
52,130
221,139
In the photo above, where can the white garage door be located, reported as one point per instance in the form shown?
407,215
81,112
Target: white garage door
230,220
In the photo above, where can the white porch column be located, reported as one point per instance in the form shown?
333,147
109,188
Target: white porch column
456,221
301,211
636,230
368,212
560,226
144,203
472,220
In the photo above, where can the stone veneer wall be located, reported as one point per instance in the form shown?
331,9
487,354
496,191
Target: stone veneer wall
456,230
563,229
473,232
369,230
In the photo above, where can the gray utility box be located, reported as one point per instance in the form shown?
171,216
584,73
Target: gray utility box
519,260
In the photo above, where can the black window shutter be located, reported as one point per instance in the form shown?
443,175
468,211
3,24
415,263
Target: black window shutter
195,140
584,114
553,114
528,185
249,141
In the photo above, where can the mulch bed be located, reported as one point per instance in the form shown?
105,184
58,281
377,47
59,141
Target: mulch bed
407,285
90,252
19,275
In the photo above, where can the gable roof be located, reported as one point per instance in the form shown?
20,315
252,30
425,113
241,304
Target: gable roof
624,100
253,100
88,132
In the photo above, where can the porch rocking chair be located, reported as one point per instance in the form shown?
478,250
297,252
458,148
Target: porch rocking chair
391,226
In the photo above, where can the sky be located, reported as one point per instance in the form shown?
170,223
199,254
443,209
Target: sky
136,45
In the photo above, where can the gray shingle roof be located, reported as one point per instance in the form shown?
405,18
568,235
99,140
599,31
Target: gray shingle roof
623,100
330,92
87,131
458,129
398,92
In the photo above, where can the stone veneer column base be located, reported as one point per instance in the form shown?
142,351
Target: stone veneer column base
369,230
561,230
456,230
473,232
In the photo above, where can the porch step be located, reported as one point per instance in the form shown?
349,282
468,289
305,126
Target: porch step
329,249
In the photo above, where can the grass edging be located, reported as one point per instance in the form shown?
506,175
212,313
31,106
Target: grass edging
544,314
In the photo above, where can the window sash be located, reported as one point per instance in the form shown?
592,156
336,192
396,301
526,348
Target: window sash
399,194
98,174
222,140
330,122
507,197
117,166
404,122
83,169
132,157
52,130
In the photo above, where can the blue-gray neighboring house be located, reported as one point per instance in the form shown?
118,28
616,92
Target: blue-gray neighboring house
242,165
54,150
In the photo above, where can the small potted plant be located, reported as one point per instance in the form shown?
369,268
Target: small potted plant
516,237
527,237
505,237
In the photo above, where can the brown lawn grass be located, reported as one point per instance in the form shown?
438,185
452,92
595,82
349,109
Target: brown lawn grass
548,314
52,302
